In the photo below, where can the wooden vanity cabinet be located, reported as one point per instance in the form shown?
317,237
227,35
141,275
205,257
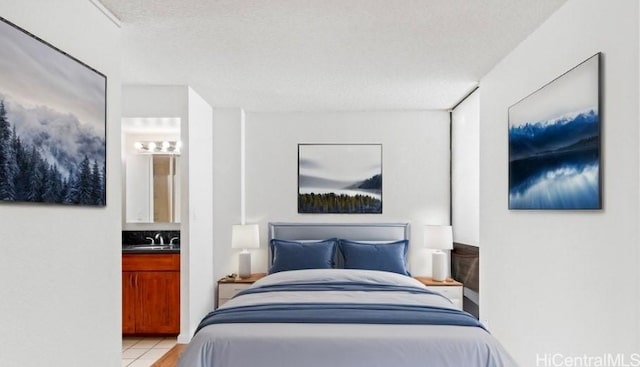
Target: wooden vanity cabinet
150,294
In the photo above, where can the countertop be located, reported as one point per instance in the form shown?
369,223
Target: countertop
133,249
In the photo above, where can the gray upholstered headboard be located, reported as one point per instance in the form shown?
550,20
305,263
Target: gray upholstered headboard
348,231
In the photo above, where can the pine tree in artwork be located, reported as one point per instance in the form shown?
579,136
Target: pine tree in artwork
26,173
70,190
52,185
8,165
36,181
104,183
96,184
83,183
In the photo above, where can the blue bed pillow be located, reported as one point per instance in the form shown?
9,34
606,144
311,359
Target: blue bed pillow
388,256
292,255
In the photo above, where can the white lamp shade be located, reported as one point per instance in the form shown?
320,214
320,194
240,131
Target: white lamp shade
438,237
245,236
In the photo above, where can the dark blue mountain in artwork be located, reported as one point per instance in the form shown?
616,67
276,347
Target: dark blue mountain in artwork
542,137
554,164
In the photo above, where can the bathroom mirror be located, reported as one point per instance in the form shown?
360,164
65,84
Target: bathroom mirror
151,160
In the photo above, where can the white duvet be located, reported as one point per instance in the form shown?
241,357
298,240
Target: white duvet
342,345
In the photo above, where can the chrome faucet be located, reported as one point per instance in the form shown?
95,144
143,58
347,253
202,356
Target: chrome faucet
158,236
172,239
153,242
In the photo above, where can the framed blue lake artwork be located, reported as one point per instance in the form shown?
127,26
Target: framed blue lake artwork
52,123
340,178
554,143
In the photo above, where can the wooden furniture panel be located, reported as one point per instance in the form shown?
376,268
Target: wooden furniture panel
158,306
465,262
128,303
150,262
150,294
229,287
229,290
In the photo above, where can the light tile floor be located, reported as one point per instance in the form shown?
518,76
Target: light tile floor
143,352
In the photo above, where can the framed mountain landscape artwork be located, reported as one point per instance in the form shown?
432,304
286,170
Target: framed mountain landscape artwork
340,178
52,123
554,143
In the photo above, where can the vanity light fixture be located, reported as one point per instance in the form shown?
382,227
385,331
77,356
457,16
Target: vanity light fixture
158,147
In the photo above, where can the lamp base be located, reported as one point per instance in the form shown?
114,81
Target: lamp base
244,265
439,266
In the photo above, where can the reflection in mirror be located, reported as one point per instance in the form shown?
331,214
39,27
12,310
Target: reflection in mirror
164,188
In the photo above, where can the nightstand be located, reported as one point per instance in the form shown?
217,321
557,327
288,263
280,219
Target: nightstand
450,288
229,287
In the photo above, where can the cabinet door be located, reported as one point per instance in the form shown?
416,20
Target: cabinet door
128,302
158,303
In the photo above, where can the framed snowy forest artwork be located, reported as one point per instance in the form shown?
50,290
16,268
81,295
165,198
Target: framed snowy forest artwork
52,123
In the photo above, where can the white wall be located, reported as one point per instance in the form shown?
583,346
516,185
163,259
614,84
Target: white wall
226,184
415,166
565,281
198,179
152,101
60,265
155,101
465,173
196,231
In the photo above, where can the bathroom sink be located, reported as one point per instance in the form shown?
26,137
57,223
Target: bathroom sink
151,247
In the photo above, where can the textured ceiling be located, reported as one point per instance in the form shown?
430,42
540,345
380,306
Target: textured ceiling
303,55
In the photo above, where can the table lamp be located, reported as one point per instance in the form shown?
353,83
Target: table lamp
438,238
245,236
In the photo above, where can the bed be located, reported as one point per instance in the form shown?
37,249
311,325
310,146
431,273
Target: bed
351,316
